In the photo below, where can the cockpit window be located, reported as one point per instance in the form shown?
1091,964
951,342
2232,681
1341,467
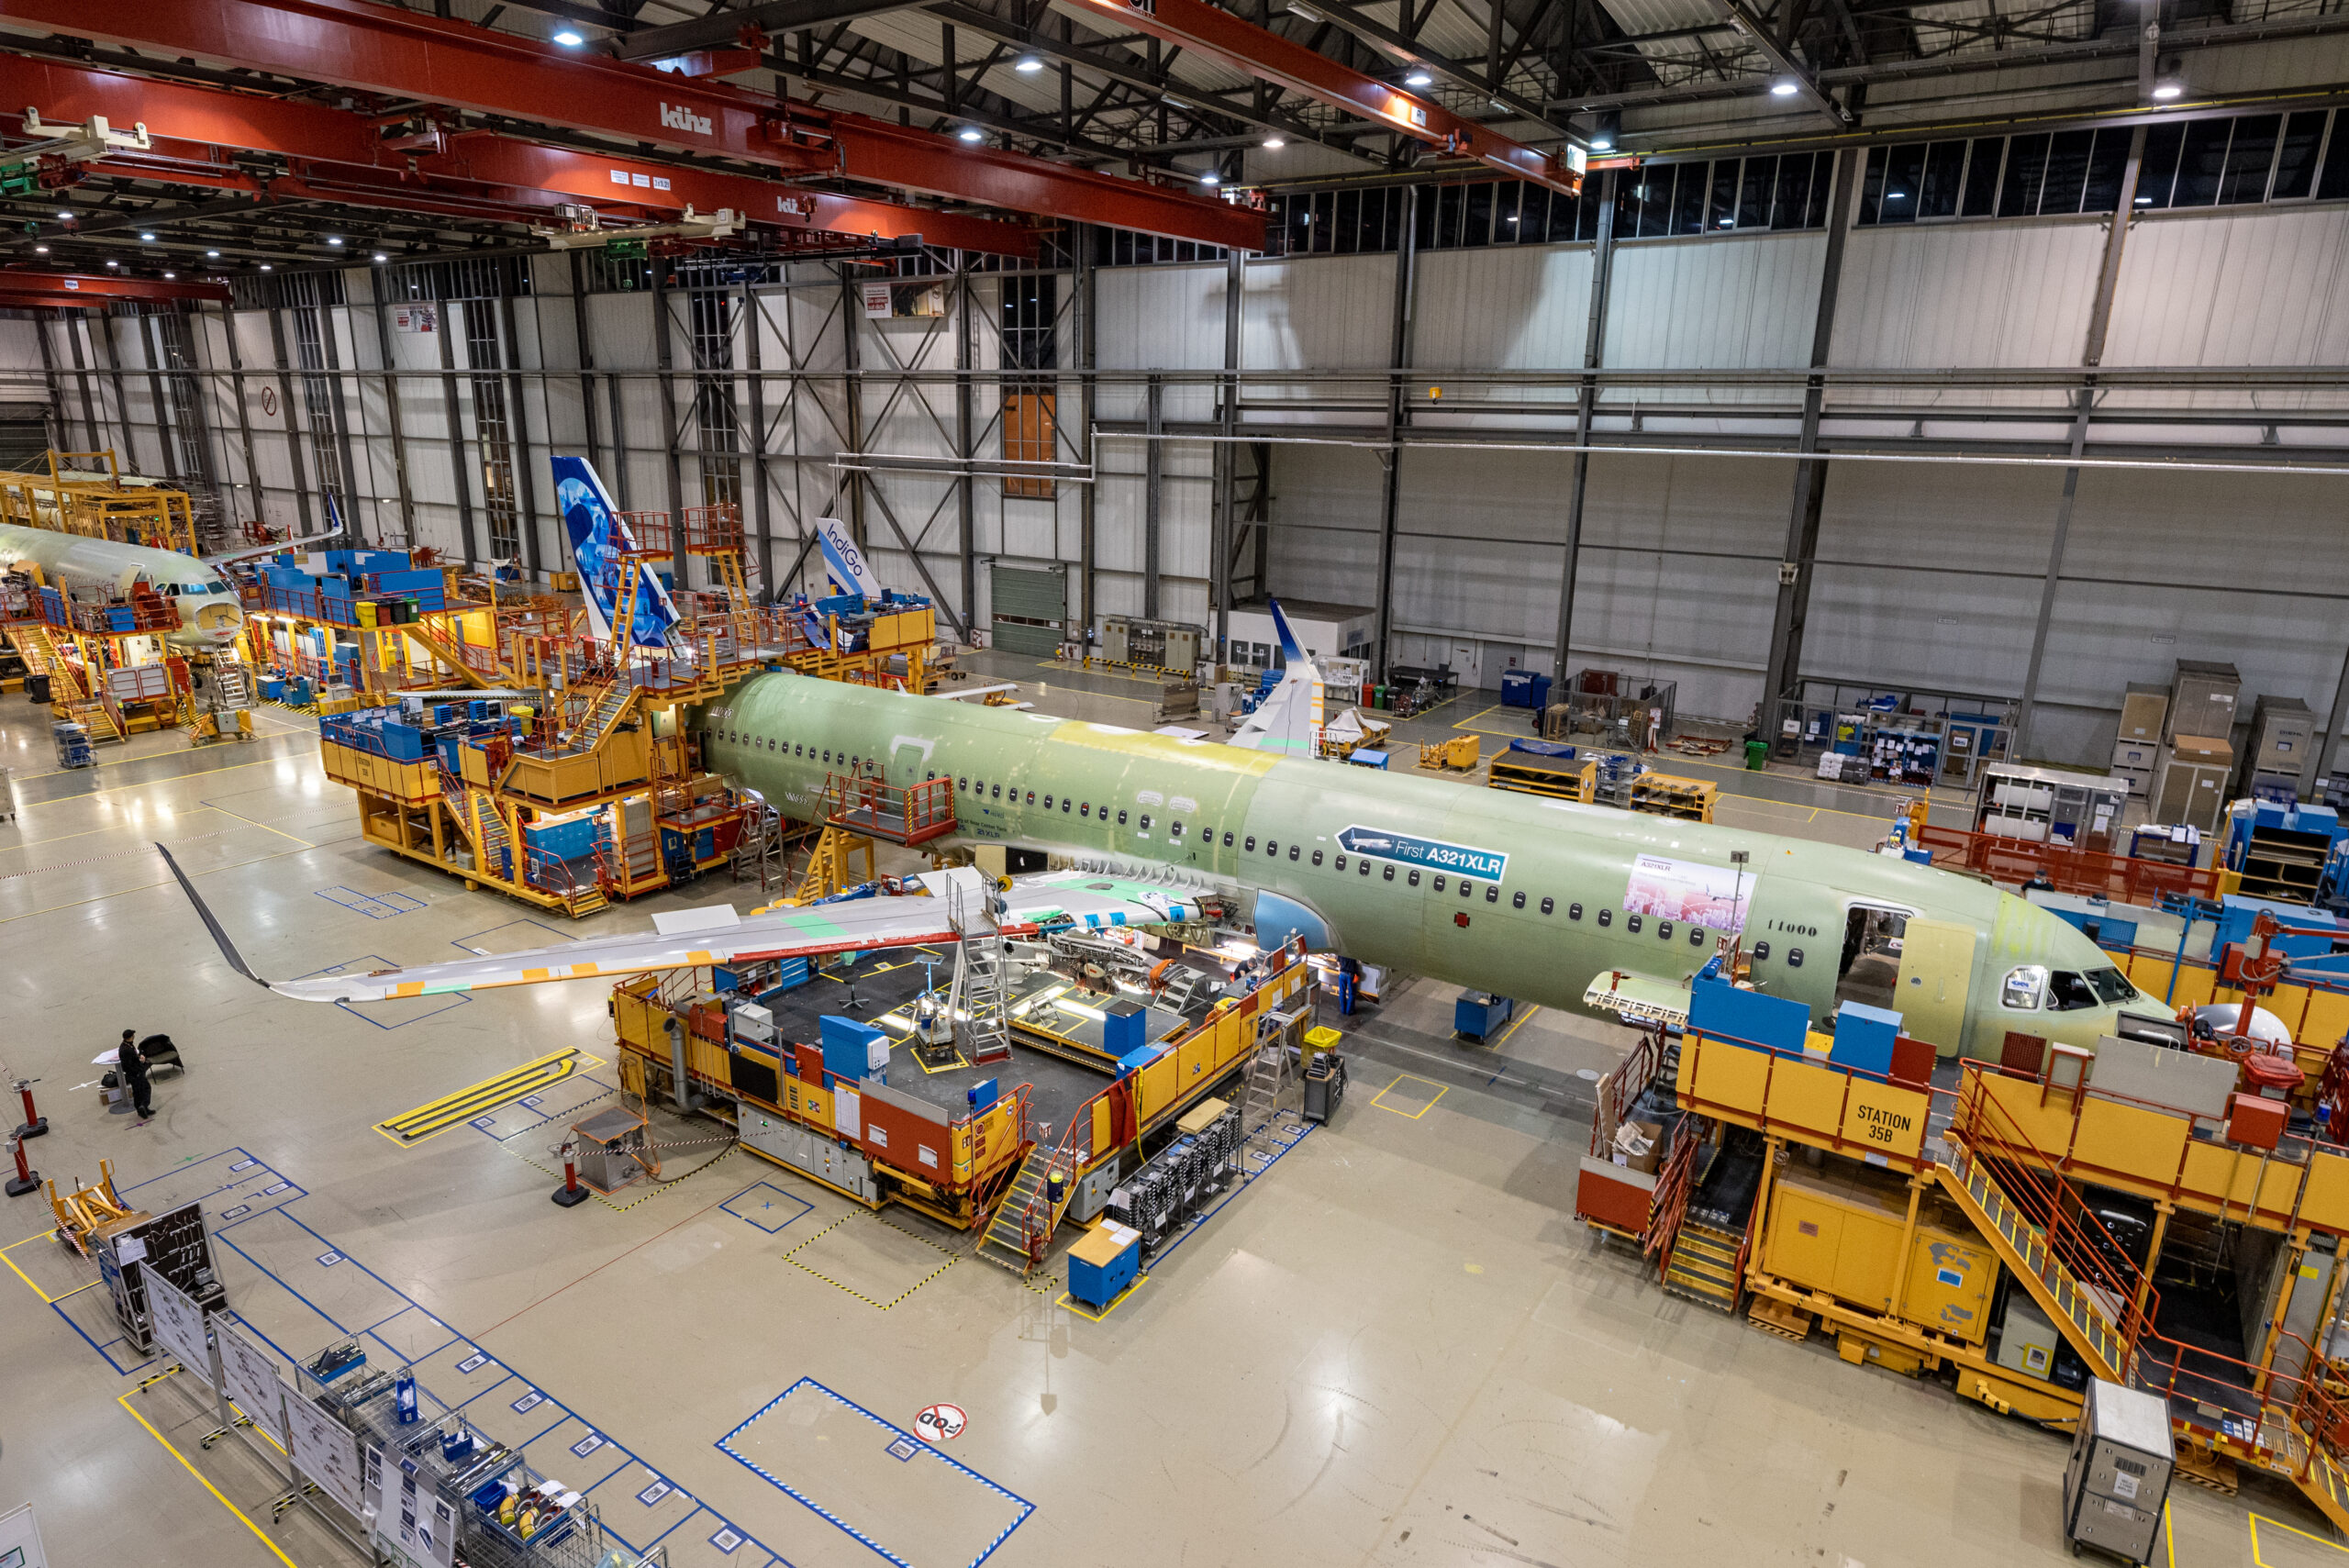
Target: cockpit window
2111,986
2024,988
2068,992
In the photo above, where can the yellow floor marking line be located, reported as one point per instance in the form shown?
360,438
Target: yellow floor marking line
851,1290
149,784
20,1273
2256,1520
124,1400
1512,1029
411,1127
1115,1302
1440,1090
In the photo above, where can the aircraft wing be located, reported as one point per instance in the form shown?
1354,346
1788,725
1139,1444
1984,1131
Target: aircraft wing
1638,999
694,939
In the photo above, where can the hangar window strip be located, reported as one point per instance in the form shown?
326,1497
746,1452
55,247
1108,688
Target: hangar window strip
2232,160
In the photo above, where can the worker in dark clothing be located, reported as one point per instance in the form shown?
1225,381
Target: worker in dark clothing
133,1065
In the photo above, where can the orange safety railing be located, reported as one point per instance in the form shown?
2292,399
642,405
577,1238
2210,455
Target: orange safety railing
1673,1190
711,531
2088,871
650,531
1619,1088
902,814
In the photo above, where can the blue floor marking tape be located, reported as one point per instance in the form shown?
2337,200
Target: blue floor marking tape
369,961
251,1169
758,1208
466,942
1026,1508
1192,1228
375,905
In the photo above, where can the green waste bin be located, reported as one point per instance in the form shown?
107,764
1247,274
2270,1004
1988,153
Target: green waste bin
1756,753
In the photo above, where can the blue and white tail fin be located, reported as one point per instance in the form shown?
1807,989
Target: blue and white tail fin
1289,719
599,544
844,559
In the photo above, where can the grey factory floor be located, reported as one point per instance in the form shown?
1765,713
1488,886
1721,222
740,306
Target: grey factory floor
1394,1347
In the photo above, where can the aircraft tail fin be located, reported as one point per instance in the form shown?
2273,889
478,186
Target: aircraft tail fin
1289,719
228,949
600,540
844,560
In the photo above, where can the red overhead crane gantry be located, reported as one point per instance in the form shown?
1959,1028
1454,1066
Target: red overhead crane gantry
366,47
1217,34
29,291
341,156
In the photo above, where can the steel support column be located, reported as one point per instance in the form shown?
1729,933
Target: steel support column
244,411
587,358
852,386
379,280
761,508
457,434
293,454
1227,452
965,497
1794,569
1594,348
1087,518
72,320
155,395
1153,482
103,320
518,421
2115,241
340,412
1398,347
54,424
664,361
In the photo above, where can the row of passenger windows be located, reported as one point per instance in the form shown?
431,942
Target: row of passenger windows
1085,809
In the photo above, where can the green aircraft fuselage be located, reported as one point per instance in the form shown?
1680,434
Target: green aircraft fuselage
1502,892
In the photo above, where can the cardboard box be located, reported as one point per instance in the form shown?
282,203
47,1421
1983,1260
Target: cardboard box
2143,709
2202,749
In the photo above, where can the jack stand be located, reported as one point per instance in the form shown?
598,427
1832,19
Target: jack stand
35,1124
571,1194
26,1178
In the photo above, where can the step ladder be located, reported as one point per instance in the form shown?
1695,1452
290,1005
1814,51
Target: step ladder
2083,1315
1702,1265
979,997
1260,1098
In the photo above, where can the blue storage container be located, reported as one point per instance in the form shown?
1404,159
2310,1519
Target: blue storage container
1541,685
1517,688
1480,1015
850,1045
1103,1264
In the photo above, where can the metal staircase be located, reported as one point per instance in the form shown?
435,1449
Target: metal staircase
603,713
1704,1267
1025,1216
2090,1317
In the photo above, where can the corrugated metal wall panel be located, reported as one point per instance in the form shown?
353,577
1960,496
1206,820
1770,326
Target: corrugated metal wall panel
1929,296
1328,312
1508,307
1747,301
2257,286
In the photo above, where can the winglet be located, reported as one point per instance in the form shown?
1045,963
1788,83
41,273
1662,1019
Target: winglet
227,948
1288,638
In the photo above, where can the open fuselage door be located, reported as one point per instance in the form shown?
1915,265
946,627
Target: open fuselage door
1936,976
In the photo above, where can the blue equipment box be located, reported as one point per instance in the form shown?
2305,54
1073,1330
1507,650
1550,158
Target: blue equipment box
1103,1264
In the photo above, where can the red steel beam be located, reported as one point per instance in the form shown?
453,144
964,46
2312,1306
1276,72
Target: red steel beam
367,47
22,288
1208,30
536,177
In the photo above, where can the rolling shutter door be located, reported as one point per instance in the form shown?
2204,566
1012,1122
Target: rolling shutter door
1029,609
24,434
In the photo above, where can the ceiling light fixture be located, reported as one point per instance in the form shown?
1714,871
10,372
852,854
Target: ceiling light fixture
2168,92
171,274
114,264
381,257
1418,78
1606,130
264,267
1210,178
214,254
149,239
1028,64
970,133
1274,144
40,249
569,37
64,214
334,239
1784,87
